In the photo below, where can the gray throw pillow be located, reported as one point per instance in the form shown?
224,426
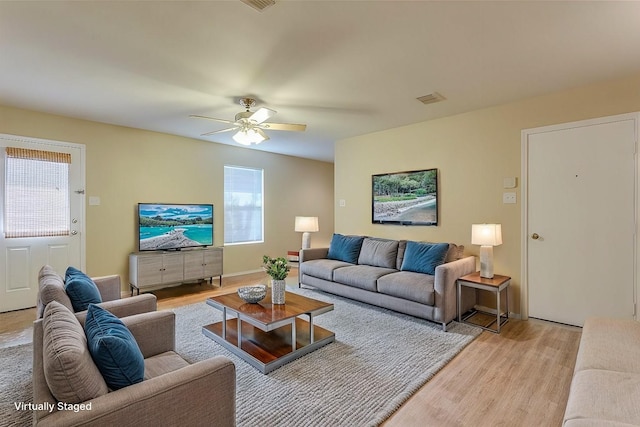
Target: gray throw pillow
69,370
51,288
379,252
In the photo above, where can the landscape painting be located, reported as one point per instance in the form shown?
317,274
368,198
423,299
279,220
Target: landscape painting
405,198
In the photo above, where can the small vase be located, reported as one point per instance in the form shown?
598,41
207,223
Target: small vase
277,291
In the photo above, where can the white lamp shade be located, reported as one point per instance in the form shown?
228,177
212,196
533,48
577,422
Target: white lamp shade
486,234
306,224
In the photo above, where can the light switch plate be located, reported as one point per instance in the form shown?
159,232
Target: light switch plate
509,198
94,201
509,182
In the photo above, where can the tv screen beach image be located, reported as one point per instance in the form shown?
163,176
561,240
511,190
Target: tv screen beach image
167,226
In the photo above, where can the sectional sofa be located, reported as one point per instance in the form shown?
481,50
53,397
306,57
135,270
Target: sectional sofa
415,278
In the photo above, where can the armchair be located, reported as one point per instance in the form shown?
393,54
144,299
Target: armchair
173,391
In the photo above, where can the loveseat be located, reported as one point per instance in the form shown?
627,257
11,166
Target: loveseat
415,278
605,389
69,388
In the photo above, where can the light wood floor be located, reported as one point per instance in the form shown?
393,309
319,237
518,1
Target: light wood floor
518,378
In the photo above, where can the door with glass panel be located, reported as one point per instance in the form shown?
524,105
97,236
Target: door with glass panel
41,214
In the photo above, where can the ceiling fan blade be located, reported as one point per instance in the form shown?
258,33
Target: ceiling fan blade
262,134
284,126
262,114
211,118
218,131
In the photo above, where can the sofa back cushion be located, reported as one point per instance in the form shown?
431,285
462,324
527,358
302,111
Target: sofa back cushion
69,370
113,348
424,257
379,252
51,288
454,253
345,248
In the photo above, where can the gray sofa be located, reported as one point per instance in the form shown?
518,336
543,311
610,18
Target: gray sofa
605,389
379,274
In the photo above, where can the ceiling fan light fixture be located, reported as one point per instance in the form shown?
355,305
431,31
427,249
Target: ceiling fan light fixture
248,137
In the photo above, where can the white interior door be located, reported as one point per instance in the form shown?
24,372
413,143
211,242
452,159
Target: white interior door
580,220
21,258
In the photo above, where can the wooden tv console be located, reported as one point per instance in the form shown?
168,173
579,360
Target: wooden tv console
157,268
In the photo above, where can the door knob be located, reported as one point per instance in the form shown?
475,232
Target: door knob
74,232
535,236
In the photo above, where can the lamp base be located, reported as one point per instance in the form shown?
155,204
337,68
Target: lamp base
306,240
486,262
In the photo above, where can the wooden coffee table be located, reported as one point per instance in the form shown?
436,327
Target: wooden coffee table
267,335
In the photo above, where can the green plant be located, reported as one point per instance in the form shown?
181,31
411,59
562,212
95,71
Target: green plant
277,268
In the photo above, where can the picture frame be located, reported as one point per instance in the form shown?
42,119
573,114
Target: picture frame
405,198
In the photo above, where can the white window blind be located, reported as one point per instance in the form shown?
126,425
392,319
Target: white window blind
36,193
243,205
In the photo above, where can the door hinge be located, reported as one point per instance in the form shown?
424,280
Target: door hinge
79,191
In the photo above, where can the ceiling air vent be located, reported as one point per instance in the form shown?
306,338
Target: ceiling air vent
259,5
431,98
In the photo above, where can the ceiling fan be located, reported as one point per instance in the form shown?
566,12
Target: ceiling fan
251,125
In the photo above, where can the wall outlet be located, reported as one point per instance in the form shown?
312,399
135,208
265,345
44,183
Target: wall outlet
509,198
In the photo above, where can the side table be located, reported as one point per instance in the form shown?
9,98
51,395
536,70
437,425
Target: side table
496,285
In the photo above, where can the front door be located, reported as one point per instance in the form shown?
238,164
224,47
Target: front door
579,220
37,174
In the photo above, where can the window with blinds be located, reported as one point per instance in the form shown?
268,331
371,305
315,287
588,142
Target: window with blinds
36,193
243,205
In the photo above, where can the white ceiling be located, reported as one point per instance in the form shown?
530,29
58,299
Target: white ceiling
344,68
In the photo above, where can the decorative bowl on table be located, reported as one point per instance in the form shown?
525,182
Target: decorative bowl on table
252,294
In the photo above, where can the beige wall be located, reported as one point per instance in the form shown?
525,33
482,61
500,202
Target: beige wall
473,152
125,166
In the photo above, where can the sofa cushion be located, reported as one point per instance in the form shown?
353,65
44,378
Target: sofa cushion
361,276
454,253
69,370
402,246
51,288
81,290
424,257
113,348
604,395
379,252
611,344
408,285
345,248
322,268
163,363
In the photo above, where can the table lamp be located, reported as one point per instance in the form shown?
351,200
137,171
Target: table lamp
487,236
306,225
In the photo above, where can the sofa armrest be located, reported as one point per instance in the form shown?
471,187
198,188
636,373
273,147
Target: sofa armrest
201,394
446,289
313,253
109,287
126,306
155,332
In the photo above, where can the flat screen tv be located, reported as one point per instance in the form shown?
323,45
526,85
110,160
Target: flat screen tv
164,227
405,198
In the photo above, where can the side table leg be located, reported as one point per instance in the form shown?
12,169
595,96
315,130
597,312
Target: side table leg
239,332
459,301
498,308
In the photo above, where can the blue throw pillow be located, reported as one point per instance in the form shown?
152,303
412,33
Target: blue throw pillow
345,248
113,348
424,257
81,290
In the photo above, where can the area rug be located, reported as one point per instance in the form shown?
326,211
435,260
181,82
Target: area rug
379,359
